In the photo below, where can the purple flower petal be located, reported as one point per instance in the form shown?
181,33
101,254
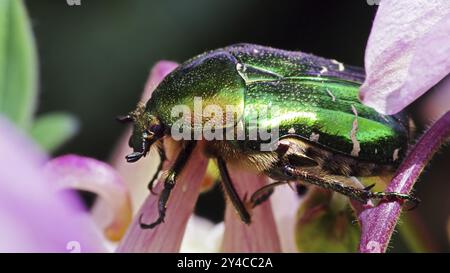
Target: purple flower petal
261,235
88,174
137,175
167,237
33,216
407,52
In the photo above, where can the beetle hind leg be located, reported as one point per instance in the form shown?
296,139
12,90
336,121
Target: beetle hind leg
411,201
344,186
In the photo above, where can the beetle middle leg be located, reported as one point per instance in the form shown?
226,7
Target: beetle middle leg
230,191
264,193
169,184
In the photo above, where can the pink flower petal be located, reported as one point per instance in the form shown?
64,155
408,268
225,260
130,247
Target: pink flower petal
88,174
158,73
261,235
407,52
34,217
138,175
167,236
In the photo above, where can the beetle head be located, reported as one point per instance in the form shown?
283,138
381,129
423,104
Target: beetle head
147,129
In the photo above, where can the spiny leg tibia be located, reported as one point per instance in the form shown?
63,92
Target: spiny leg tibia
230,191
169,184
362,195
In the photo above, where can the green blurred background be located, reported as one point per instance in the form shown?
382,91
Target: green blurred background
94,60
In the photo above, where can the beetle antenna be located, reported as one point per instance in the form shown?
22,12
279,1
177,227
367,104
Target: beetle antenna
125,118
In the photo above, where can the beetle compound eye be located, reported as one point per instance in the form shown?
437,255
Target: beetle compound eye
148,135
156,129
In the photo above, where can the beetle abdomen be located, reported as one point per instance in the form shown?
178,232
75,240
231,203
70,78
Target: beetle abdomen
340,164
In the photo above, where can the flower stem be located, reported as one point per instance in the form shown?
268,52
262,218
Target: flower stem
378,222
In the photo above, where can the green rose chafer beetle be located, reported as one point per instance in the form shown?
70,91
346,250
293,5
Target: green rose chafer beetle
324,134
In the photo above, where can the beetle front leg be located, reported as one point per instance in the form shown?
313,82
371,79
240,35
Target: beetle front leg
169,184
162,158
133,157
230,191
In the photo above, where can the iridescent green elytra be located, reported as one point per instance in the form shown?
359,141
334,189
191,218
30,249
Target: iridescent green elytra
325,134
